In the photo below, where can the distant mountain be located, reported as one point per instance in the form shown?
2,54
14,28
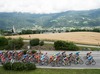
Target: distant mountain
90,18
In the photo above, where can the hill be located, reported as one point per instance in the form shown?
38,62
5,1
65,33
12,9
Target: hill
90,18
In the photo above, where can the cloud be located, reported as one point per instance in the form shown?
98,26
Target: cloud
47,6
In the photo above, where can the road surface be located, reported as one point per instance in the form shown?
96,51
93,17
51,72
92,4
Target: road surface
96,56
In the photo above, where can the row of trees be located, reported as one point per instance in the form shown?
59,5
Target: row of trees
6,32
39,31
59,31
84,30
3,32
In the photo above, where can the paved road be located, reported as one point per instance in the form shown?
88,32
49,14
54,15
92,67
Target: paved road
96,55
48,42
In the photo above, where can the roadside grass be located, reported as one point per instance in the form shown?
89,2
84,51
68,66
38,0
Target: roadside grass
82,48
48,46
53,71
88,48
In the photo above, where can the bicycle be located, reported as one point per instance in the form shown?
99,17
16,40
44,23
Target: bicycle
90,62
78,61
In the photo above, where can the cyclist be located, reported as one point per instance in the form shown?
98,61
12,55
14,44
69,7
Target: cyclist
90,58
51,58
71,57
58,54
88,54
77,56
64,54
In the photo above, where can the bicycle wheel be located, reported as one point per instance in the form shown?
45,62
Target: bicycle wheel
58,63
93,62
46,62
53,64
68,63
87,63
81,61
75,62
40,63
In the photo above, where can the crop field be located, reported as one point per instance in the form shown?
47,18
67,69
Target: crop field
77,37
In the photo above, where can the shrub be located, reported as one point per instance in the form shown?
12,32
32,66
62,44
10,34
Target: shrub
25,51
34,42
18,66
33,51
41,43
30,66
3,43
62,45
7,66
15,43
72,47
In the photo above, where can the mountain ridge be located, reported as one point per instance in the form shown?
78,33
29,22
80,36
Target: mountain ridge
89,18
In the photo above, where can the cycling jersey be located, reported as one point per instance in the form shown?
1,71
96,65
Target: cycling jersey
90,58
77,53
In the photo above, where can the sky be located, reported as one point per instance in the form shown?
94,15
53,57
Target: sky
47,6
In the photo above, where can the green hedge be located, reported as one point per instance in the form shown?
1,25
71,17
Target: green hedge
15,43
11,44
34,42
30,66
7,66
41,43
62,45
3,43
33,51
19,66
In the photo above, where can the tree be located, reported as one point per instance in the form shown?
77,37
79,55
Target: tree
15,43
3,43
41,43
62,45
34,42
27,32
96,30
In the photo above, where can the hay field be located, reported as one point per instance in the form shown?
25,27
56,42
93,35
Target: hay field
77,37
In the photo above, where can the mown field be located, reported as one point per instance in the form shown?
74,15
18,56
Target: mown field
77,37
53,71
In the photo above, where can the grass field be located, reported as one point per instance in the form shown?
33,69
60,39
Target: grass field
77,37
53,71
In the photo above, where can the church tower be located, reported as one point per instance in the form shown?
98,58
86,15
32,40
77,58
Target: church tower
13,29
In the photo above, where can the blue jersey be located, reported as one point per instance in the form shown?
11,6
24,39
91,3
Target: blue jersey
90,58
77,53
25,55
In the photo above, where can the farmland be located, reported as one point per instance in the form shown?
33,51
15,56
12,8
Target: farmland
92,38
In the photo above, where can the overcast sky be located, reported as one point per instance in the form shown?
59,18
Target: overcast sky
47,6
